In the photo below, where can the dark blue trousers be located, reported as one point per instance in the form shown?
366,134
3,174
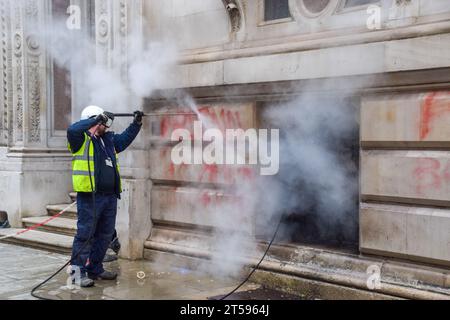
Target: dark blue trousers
91,256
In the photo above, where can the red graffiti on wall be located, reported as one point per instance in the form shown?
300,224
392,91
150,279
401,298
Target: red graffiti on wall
429,173
206,173
168,124
432,107
220,118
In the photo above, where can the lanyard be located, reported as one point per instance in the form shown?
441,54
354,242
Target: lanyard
103,146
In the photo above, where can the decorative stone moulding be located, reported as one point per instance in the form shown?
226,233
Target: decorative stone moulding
312,8
33,44
17,45
234,13
103,28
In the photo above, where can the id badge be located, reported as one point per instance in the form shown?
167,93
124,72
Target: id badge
108,162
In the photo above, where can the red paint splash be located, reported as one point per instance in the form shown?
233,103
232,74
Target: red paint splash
427,175
430,110
211,171
205,199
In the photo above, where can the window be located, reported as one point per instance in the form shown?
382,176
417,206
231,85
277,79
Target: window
276,9
315,6
62,87
354,3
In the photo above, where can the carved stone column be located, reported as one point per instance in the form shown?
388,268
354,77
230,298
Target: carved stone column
35,75
5,76
17,34
32,175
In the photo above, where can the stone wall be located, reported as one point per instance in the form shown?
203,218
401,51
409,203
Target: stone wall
193,195
403,135
405,180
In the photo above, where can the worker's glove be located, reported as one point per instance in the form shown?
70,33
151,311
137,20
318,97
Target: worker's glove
101,119
110,115
138,117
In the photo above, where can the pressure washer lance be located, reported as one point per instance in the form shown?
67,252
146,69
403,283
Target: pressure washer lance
123,115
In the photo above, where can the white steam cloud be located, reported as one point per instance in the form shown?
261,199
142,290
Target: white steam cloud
119,84
319,161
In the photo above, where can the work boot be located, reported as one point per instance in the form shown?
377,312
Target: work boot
110,258
85,282
115,245
105,275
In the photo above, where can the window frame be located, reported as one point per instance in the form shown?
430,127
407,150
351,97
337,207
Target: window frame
342,9
261,15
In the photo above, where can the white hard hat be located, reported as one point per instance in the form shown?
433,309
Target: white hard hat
91,111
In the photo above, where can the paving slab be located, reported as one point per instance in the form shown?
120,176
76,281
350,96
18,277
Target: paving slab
23,268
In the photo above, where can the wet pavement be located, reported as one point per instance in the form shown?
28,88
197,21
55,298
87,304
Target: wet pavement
22,268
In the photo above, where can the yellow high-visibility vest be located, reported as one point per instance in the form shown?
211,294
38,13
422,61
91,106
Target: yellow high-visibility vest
82,164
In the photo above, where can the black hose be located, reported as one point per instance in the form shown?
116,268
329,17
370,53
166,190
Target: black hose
257,266
33,293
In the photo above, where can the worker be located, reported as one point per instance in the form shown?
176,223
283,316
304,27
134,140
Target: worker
95,169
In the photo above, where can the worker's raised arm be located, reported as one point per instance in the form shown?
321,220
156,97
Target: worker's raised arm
75,133
123,140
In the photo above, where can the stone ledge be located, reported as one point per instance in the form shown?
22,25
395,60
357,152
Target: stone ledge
303,43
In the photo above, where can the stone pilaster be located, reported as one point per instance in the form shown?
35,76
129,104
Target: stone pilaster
35,75
5,76
32,174
17,34
134,219
103,34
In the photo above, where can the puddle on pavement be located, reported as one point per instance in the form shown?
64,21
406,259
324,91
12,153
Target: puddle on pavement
24,268
144,280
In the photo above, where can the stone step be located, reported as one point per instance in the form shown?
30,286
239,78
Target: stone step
53,210
39,240
73,196
59,225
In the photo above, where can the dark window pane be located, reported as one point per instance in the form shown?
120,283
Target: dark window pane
59,8
276,9
62,107
62,100
354,3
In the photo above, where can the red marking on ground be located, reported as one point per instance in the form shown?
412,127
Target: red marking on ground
40,224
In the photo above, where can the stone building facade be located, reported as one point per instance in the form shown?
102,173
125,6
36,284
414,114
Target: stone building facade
390,57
